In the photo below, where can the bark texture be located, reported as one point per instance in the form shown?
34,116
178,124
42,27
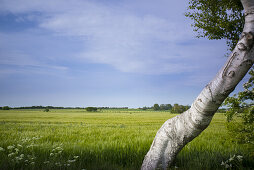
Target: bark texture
176,132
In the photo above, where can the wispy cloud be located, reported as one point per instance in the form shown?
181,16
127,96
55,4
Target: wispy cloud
17,56
128,41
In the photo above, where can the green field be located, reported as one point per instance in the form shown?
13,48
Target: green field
109,139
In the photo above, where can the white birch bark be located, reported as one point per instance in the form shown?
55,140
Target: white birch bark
176,132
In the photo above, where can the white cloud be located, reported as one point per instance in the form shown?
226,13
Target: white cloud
128,41
115,35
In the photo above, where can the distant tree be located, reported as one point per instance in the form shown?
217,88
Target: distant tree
5,108
176,108
144,108
156,107
168,106
163,107
46,110
91,109
179,108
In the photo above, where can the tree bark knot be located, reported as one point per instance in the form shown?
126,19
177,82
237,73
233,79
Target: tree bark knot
249,12
246,41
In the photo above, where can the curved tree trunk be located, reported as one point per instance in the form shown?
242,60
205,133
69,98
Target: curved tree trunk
175,133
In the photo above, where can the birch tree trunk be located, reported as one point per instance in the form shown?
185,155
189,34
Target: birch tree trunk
176,132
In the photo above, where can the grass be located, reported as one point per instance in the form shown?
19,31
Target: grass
109,139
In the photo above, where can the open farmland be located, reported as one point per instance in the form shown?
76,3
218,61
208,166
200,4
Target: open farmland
108,139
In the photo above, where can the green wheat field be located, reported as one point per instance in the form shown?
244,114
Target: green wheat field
107,139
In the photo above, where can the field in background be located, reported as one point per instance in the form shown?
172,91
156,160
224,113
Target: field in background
109,139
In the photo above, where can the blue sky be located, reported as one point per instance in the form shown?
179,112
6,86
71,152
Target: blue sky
130,53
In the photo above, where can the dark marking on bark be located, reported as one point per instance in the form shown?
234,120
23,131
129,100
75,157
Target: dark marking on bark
249,36
211,93
242,35
248,62
249,12
231,74
200,125
202,110
227,91
241,47
200,100
228,64
197,107
191,121
246,41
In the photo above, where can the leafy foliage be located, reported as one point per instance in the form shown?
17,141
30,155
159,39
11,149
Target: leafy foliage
241,106
217,19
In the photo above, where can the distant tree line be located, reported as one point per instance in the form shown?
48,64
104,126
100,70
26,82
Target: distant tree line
94,109
112,108
56,107
47,107
176,108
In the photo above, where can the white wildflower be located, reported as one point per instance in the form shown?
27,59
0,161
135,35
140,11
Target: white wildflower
18,158
33,158
18,145
11,154
2,149
227,166
71,161
51,154
76,157
10,147
59,148
46,162
16,149
232,158
32,163
58,164
239,157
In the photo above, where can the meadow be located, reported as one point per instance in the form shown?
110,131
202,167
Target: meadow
108,139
